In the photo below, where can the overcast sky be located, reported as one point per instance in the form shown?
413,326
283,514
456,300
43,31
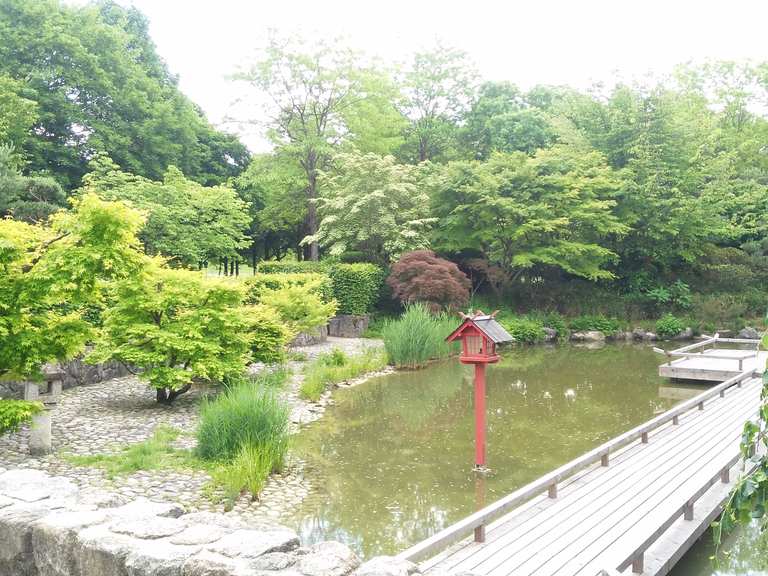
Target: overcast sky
574,42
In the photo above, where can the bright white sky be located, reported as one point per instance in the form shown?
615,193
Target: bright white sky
575,42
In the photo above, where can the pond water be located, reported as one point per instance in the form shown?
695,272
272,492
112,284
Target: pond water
393,457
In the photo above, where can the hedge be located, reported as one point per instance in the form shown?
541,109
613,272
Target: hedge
290,267
356,287
257,285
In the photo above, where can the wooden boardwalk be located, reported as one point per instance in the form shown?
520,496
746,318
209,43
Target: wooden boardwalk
634,504
709,361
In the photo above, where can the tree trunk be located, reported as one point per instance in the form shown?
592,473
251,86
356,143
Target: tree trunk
253,258
314,249
226,266
232,266
237,268
167,396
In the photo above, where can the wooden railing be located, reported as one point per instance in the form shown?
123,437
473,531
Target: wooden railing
686,351
478,521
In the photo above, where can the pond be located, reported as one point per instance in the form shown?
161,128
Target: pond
392,459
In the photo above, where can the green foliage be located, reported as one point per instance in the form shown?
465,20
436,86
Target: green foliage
176,326
356,286
260,284
300,307
98,85
186,222
417,337
524,329
50,273
291,267
669,326
554,209
249,470
268,334
31,199
249,414
17,112
748,498
607,326
14,413
335,367
371,204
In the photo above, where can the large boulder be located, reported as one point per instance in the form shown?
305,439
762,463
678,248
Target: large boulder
588,336
686,334
749,332
328,559
348,325
550,335
387,566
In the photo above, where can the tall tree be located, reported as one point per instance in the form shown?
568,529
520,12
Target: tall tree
373,206
438,89
99,86
188,223
554,209
309,92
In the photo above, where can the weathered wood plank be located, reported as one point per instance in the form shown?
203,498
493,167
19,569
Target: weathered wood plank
510,536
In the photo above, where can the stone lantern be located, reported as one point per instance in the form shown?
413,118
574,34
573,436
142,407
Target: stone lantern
40,429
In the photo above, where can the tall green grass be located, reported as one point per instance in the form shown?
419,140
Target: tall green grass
246,428
337,367
418,336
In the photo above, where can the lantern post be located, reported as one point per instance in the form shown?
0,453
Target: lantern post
479,334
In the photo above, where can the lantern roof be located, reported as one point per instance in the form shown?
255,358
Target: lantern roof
486,324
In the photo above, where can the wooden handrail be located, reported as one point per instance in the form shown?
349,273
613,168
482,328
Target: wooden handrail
635,558
549,481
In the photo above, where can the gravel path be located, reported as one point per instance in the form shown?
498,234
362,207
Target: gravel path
107,416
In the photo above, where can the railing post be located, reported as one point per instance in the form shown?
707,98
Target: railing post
552,493
722,393
688,511
604,459
725,475
480,533
638,563
701,405
741,364
644,437
675,420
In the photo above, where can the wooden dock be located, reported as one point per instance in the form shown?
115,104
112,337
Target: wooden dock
708,360
634,504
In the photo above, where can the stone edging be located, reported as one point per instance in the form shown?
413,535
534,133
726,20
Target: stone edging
49,527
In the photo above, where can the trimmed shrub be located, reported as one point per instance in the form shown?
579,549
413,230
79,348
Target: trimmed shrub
417,337
356,287
336,367
290,267
299,307
607,326
269,334
249,414
421,276
257,286
669,326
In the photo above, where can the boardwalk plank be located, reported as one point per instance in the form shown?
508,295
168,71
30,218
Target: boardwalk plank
600,504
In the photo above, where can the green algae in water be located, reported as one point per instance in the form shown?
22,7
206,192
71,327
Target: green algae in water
392,459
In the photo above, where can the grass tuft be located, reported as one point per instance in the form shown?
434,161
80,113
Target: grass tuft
335,367
417,337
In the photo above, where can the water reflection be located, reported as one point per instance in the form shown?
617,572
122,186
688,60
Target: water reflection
393,458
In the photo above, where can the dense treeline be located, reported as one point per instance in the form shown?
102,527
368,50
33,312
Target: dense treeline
651,195
78,81
645,191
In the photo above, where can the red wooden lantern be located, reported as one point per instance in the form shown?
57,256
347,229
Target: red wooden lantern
479,334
